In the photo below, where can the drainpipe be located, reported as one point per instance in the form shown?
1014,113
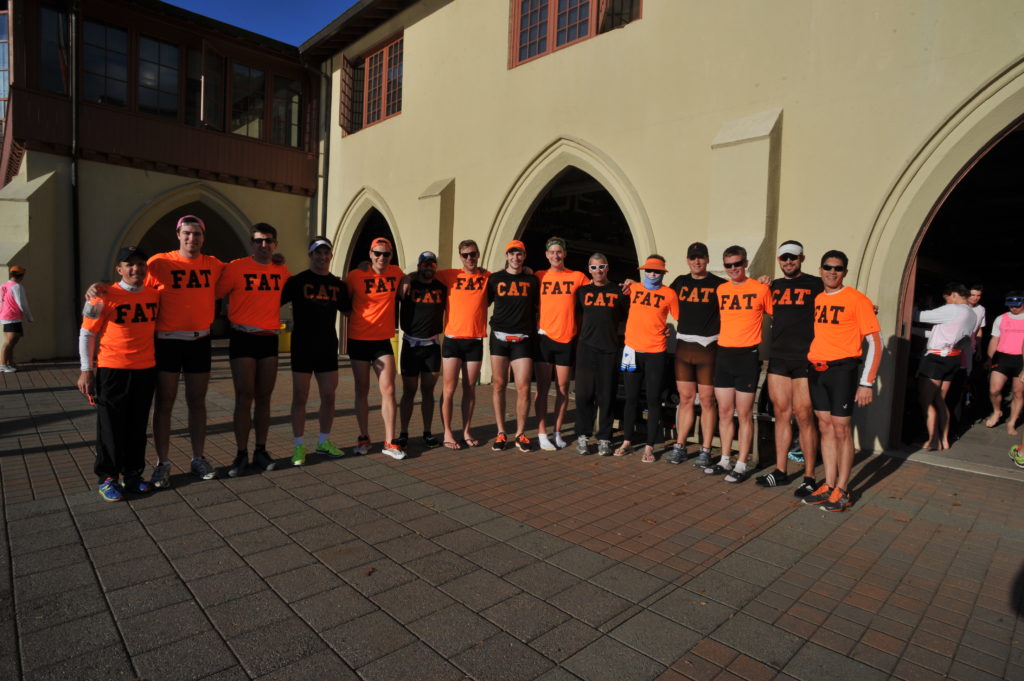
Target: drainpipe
76,256
325,159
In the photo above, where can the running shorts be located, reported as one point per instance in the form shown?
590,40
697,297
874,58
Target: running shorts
466,349
790,368
14,327
191,356
314,355
1008,365
938,367
552,352
521,350
369,350
695,363
737,368
421,359
250,345
833,389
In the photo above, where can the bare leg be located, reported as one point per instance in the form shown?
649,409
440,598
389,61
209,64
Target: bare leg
163,403
726,398
521,371
780,389
499,381
943,411
844,450
470,375
427,382
562,375
384,367
745,416
708,414
685,411
300,394
266,377
1017,401
805,423
927,390
996,383
542,372
327,382
451,369
196,386
243,374
410,384
829,453
361,376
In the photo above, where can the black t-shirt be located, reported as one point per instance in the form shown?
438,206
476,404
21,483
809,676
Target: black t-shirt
698,304
316,301
601,311
421,311
516,298
793,315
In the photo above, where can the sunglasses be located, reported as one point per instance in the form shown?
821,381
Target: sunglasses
470,254
263,240
381,254
788,257
599,267
835,268
730,265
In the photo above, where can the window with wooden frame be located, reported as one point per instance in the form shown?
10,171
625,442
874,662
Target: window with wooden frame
5,64
105,78
539,27
248,93
371,87
158,77
53,50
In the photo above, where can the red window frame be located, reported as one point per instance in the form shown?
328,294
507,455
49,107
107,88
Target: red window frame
545,15
383,74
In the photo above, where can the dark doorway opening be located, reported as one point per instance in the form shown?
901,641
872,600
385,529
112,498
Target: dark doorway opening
579,209
221,240
373,226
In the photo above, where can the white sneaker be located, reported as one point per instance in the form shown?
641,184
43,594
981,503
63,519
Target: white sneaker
559,442
544,443
393,451
8,369
581,445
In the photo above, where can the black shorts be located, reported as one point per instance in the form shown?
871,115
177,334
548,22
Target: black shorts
737,368
314,355
191,356
939,368
833,389
1008,365
695,363
466,349
521,350
251,345
369,350
552,352
14,327
420,359
790,368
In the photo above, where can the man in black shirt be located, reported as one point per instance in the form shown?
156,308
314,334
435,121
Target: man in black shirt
601,308
516,297
792,332
421,317
696,349
317,296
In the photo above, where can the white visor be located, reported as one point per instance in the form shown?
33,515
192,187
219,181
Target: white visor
792,249
318,243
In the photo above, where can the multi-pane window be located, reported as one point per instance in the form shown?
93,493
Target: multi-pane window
5,64
247,95
53,50
158,77
382,93
106,64
204,89
286,114
542,26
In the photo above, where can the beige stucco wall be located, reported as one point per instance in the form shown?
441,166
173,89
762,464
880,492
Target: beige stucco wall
877,104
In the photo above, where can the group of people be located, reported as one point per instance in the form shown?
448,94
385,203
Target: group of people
155,323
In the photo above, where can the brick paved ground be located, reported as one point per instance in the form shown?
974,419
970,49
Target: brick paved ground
490,566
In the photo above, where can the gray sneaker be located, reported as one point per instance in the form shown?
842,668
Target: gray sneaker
261,459
678,454
161,475
604,447
703,459
202,469
581,445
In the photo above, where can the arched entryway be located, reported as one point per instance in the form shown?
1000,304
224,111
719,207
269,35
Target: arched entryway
221,239
373,225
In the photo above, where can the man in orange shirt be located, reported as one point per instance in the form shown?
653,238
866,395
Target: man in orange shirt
463,348
556,329
742,304
644,358
370,328
123,320
254,285
843,319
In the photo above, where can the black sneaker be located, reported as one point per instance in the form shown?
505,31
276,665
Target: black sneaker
500,442
239,464
806,488
774,479
261,459
403,440
819,496
678,454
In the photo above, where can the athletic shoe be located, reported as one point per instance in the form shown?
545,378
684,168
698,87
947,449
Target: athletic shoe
838,501
299,455
403,440
544,443
1018,458
110,490
559,442
523,443
9,370
261,459
678,454
161,477
703,458
795,453
393,450
430,440
238,465
774,479
3,368
363,446
604,447
819,496
135,484
806,488
329,448
581,445
500,442
202,469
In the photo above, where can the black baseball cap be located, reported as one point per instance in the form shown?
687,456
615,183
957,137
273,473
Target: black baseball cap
697,250
129,252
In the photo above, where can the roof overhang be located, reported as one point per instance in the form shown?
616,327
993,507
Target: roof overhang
353,24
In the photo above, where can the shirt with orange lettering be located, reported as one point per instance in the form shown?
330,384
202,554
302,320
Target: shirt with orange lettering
255,292
187,287
741,309
373,303
841,321
648,317
125,322
467,303
558,303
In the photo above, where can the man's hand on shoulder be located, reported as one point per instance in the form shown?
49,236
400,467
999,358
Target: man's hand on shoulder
97,289
765,279
277,258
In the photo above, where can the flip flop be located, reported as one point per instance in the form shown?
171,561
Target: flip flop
471,442
452,445
623,450
649,458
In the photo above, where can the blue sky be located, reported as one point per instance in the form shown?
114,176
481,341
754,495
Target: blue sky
292,21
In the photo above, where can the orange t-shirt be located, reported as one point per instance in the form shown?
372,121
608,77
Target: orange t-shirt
467,303
741,308
126,325
373,303
186,287
255,291
648,314
558,303
841,320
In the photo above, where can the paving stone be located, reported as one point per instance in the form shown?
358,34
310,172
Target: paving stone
46,539
51,610
628,582
303,582
209,563
524,616
501,559
268,649
441,567
108,664
415,661
368,638
656,637
406,510
453,629
593,605
46,647
502,658
267,537
770,552
147,596
379,530
281,559
417,490
347,556
167,625
565,640
443,501
808,662
502,528
206,655
408,548
478,590
325,665
470,514
56,581
581,562
464,541
47,559
226,586
608,660
320,537
235,673
240,524
760,641
29,526
254,611
377,576
133,550
542,580
37,507
412,601
733,592
331,608
195,542
558,674
693,611
434,525
215,513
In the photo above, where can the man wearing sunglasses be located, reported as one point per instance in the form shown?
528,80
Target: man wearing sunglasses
370,328
462,351
1004,353
844,318
793,297
254,285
